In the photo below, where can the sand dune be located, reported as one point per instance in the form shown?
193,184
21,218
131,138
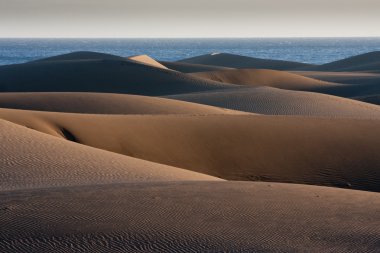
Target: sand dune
239,61
99,75
273,101
263,77
88,167
190,68
144,59
103,103
34,160
365,62
237,147
190,217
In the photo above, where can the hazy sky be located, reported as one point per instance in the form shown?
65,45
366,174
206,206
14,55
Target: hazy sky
190,18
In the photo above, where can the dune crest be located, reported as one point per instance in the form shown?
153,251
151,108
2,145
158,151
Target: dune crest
144,59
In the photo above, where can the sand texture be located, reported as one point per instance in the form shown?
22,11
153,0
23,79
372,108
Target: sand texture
190,217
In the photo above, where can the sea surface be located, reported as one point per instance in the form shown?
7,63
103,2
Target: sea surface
308,50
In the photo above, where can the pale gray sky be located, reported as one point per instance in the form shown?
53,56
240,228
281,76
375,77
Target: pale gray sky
192,18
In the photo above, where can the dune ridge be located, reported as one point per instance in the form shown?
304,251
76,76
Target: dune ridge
81,55
190,68
102,103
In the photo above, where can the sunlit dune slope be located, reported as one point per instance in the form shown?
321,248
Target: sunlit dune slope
237,147
30,159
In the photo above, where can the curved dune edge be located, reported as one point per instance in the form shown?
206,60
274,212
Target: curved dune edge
274,101
240,61
263,77
198,217
357,84
233,147
340,77
191,68
34,160
364,62
373,99
80,55
103,103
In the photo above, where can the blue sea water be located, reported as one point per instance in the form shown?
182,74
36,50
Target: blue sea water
308,50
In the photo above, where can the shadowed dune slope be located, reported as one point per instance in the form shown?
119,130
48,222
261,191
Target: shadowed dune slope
273,101
356,84
196,216
351,90
81,55
237,147
104,75
30,159
263,77
365,62
239,61
144,59
373,99
103,103
190,68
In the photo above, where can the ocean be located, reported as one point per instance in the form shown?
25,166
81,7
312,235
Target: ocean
308,50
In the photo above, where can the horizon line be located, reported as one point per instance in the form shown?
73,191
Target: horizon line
221,37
